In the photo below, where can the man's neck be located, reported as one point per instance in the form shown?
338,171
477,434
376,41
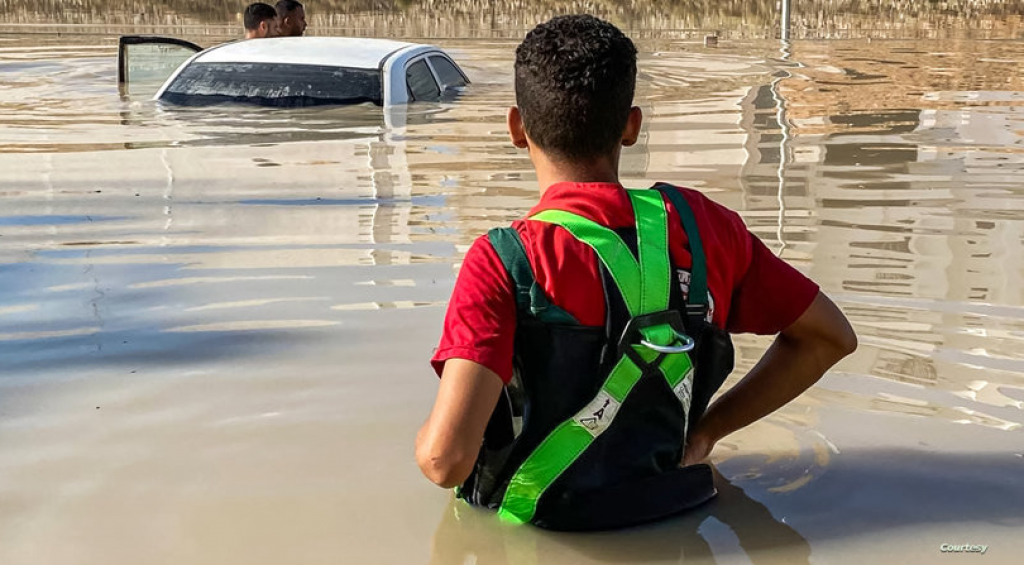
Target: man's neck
553,171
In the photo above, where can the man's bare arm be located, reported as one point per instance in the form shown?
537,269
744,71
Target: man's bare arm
800,355
448,443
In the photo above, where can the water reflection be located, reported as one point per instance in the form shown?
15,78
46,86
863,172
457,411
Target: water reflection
906,209
905,222
854,502
297,262
471,536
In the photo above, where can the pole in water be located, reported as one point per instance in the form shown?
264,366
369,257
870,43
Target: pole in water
784,24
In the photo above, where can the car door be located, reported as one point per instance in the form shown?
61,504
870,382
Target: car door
145,62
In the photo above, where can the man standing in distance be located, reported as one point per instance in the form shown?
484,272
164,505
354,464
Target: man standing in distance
291,18
260,21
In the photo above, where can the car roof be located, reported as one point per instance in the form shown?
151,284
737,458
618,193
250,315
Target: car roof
318,51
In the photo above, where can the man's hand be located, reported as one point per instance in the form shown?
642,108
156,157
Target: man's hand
800,355
698,448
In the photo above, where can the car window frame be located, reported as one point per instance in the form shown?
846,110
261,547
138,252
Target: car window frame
433,75
133,40
437,77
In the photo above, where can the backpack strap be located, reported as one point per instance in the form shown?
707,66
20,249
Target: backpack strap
530,297
697,300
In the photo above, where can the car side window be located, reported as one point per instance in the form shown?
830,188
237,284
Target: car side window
145,62
421,82
447,73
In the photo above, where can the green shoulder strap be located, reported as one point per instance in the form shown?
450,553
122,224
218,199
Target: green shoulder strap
643,282
530,297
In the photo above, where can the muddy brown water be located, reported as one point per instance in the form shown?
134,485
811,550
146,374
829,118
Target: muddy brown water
215,323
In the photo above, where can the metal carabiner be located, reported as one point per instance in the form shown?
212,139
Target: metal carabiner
687,345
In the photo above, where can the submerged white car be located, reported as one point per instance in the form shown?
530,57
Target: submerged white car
289,72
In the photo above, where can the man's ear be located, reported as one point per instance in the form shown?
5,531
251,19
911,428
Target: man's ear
632,130
515,128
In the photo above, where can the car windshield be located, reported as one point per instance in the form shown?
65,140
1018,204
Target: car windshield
286,85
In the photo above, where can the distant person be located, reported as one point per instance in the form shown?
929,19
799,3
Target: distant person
583,345
260,21
291,18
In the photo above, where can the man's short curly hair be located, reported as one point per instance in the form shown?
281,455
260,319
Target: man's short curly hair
574,78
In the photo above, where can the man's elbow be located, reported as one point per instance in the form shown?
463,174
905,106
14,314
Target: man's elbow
824,328
443,468
842,341
849,341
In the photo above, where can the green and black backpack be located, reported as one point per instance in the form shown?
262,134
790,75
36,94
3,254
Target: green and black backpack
590,432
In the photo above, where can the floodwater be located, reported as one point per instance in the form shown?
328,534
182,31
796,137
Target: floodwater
215,323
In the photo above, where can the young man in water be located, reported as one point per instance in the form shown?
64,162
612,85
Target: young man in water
260,21
291,18
582,345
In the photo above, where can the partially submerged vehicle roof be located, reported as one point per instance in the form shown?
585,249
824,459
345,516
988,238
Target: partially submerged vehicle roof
366,53
311,71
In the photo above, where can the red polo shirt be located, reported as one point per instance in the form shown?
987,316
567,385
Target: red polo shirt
752,290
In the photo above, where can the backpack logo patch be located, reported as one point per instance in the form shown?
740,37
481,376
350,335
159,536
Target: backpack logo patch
684,393
598,414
